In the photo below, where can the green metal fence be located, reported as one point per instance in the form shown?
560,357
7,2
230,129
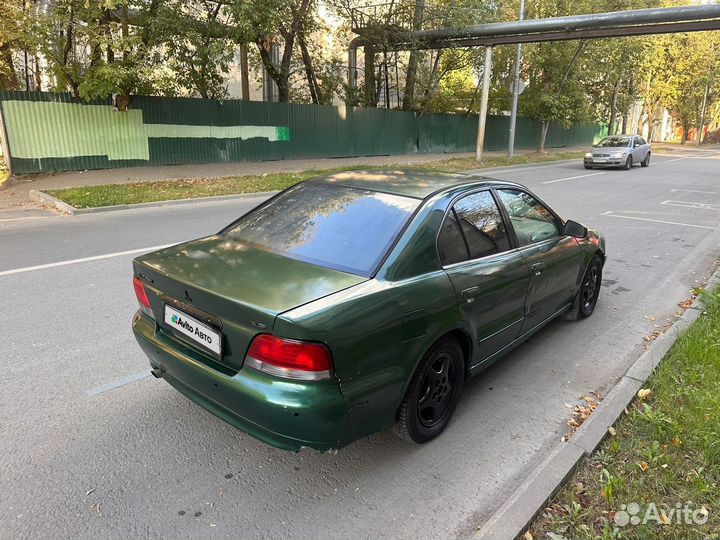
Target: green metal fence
56,132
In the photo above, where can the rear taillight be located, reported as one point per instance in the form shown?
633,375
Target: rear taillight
289,358
142,297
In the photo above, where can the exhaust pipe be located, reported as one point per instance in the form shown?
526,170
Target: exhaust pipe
157,372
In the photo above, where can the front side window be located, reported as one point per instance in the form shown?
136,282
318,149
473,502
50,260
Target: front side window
482,224
640,140
532,221
337,227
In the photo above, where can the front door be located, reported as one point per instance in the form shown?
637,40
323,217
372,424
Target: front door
553,259
490,277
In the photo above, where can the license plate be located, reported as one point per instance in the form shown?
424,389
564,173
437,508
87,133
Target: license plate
197,331
600,160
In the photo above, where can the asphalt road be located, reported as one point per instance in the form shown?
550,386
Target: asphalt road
91,447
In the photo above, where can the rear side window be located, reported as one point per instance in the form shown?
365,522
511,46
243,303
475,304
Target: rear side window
451,244
482,224
337,227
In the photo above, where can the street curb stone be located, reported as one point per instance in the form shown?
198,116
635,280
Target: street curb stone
45,198
532,494
513,517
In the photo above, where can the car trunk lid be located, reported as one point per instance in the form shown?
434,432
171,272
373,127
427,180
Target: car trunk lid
234,287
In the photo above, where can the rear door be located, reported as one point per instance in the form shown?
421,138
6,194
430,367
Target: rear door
489,275
552,258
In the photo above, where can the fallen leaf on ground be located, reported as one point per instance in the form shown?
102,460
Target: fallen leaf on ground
611,431
676,441
528,536
644,393
644,466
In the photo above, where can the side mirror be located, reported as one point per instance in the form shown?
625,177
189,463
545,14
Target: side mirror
573,228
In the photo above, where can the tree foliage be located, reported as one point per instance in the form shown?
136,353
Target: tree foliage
187,47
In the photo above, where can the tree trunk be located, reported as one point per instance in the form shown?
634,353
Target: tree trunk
543,135
315,91
244,73
10,80
684,139
411,73
279,76
613,108
369,94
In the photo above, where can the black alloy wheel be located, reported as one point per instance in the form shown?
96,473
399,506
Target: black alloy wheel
433,393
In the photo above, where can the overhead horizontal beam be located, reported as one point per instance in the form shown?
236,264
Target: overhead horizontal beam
612,19
596,25
669,28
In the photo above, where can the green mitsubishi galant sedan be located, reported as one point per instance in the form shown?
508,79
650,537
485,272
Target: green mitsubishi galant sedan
360,301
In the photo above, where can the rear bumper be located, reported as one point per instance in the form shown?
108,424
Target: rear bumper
285,414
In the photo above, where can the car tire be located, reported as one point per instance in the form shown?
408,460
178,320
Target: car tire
577,309
588,166
645,162
628,164
433,393
590,288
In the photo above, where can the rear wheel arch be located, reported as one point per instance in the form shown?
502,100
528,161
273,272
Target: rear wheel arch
420,397
461,336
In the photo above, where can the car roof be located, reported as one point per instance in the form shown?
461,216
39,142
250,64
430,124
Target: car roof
408,183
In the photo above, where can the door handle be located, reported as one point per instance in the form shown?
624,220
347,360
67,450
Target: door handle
538,268
469,293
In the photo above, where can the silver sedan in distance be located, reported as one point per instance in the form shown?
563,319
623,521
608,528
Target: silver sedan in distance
619,151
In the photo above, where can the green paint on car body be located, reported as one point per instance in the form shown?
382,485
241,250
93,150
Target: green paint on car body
378,327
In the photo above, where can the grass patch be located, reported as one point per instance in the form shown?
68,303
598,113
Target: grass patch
665,451
469,163
164,190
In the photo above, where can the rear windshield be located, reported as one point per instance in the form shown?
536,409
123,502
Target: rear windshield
614,142
334,226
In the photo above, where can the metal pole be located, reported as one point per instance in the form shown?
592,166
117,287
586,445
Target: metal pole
515,90
702,114
352,67
487,67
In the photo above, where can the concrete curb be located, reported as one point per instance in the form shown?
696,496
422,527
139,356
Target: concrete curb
45,198
512,518
42,197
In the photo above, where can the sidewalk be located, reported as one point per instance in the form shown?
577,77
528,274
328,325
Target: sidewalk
14,193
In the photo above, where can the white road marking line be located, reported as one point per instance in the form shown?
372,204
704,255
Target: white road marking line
677,159
117,384
697,156
572,178
84,259
696,191
613,214
5,220
688,204
485,172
